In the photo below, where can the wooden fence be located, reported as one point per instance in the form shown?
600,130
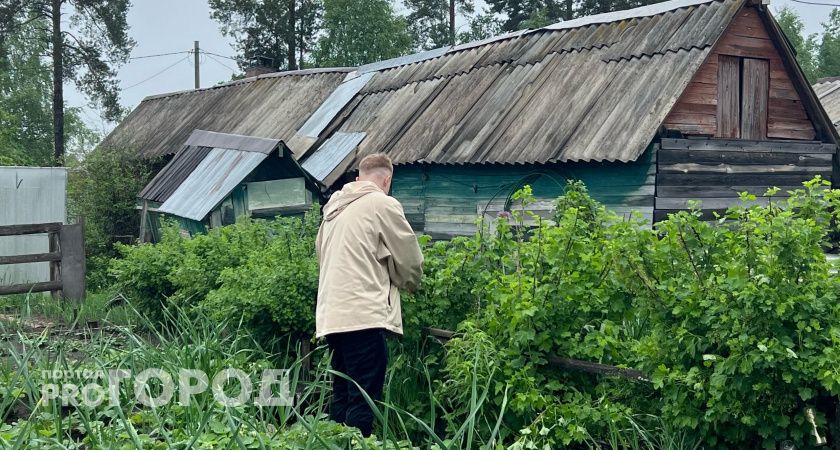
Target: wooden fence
66,257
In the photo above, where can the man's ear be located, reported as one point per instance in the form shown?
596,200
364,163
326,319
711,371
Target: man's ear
357,178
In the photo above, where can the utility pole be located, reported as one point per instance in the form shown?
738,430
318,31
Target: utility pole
197,57
451,22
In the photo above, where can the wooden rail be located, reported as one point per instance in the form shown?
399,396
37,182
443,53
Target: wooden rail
66,257
564,363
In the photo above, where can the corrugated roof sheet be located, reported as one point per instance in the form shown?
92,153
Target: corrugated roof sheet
828,92
593,89
196,149
332,153
269,106
211,181
337,100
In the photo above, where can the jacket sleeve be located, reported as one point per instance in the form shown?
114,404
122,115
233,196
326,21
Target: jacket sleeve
405,265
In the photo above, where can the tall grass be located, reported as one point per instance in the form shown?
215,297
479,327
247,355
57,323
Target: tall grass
410,415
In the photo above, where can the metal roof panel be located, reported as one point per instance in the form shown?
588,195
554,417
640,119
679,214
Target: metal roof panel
211,181
329,155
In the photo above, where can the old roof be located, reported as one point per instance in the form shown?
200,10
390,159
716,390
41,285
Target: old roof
273,106
591,89
828,92
205,171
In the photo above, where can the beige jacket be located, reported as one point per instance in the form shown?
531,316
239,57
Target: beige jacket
366,252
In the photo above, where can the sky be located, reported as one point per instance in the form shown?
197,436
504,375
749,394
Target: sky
166,26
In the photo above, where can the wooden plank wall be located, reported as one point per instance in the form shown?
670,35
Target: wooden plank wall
715,171
696,111
445,200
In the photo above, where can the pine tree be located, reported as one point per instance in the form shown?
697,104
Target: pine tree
86,40
358,32
279,33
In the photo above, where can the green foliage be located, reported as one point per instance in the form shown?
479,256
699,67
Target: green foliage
277,34
264,274
828,53
360,32
274,290
735,322
83,49
429,21
742,318
804,46
102,189
26,128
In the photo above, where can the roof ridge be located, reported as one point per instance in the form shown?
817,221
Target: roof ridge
511,62
231,83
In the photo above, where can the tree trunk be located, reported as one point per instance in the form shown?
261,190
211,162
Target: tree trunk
451,22
58,84
292,37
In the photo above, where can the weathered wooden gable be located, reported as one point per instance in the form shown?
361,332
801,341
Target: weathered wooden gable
744,89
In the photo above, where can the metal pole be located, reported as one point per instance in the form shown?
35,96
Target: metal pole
197,77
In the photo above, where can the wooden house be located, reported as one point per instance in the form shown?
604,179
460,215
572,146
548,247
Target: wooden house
650,107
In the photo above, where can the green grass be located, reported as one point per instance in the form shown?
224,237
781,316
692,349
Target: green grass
410,415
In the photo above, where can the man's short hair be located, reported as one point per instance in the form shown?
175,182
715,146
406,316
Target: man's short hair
375,163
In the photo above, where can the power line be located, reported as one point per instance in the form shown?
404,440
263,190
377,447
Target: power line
159,54
836,5
158,73
220,63
220,56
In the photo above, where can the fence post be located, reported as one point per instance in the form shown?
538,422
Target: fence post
55,268
73,265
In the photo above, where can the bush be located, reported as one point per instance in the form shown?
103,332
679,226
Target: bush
274,291
743,319
102,189
262,273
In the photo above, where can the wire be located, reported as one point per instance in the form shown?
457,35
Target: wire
220,63
836,5
158,73
160,54
220,56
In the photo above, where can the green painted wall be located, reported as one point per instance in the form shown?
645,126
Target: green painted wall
443,200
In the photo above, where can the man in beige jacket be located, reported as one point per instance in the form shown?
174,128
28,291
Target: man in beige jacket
366,251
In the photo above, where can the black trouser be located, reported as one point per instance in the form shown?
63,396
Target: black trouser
361,355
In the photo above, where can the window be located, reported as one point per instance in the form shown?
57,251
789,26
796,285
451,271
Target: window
267,197
743,89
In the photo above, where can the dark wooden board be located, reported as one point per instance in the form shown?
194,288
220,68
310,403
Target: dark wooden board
72,244
716,203
729,97
34,228
747,145
23,259
30,287
755,86
564,363
745,158
687,168
787,179
699,192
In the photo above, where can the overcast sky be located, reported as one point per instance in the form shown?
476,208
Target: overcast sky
185,21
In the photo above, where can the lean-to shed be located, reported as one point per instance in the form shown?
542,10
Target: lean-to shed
216,178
